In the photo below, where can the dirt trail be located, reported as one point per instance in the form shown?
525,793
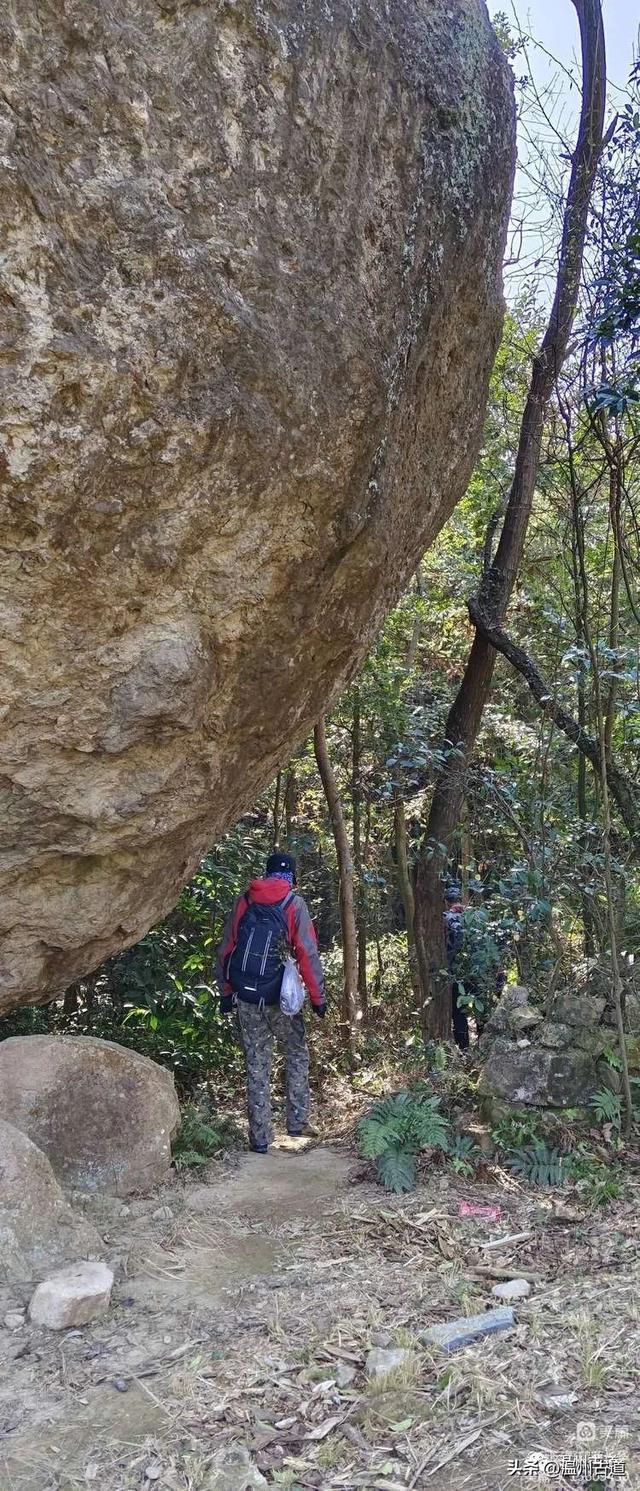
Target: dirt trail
238,1299
59,1408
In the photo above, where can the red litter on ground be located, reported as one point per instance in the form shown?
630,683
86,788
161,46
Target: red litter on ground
468,1209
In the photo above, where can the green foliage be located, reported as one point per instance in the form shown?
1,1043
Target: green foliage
540,1165
516,1129
199,1139
607,1106
464,1154
397,1168
395,1130
437,1056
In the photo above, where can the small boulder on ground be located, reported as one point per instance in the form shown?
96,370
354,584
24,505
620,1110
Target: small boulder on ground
38,1228
512,1290
74,1296
14,1320
103,1115
235,1471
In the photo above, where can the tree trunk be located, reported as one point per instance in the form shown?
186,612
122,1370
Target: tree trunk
617,986
290,804
71,1003
588,923
356,798
346,888
277,800
412,650
498,581
406,889
614,639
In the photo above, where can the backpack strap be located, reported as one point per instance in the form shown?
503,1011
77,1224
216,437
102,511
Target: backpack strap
282,907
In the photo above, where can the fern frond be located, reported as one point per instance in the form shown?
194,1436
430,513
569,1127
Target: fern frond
606,1105
430,1127
397,1169
540,1165
375,1136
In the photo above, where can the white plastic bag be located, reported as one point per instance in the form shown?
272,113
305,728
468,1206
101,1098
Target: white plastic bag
291,990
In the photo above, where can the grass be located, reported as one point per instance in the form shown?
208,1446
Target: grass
334,1453
592,1368
399,1380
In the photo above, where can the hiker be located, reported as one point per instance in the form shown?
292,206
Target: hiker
453,941
269,923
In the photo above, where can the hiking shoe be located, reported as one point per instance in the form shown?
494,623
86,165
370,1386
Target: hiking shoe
307,1131
259,1148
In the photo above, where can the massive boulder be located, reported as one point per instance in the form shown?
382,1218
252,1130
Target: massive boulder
38,1229
103,1115
250,301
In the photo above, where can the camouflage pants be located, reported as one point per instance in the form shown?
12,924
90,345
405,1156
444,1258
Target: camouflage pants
258,1030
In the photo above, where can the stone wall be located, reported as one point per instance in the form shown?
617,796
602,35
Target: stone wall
552,1059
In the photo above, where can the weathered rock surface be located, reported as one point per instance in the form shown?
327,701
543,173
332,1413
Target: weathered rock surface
72,1297
38,1229
14,1320
103,1115
250,302
537,1075
581,1010
550,1062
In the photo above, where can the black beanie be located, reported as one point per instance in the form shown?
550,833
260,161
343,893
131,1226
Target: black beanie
281,864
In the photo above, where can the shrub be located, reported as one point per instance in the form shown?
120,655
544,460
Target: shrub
394,1132
199,1139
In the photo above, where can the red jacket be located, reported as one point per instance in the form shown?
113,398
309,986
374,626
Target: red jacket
302,937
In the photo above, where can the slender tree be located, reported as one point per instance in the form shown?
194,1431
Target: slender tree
356,799
346,886
499,578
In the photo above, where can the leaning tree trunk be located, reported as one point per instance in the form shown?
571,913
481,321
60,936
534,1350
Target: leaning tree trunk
361,901
277,803
346,891
498,581
290,805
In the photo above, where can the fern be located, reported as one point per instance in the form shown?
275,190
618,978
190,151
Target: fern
463,1154
540,1165
397,1169
188,1159
430,1126
388,1123
606,1106
394,1131
612,1058
198,1139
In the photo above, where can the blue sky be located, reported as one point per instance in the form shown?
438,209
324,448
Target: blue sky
552,59
555,24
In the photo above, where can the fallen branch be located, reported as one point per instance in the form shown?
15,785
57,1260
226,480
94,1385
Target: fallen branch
503,1242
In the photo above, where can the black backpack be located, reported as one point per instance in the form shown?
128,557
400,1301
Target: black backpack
256,965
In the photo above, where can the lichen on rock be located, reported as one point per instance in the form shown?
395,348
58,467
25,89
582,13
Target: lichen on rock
251,299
